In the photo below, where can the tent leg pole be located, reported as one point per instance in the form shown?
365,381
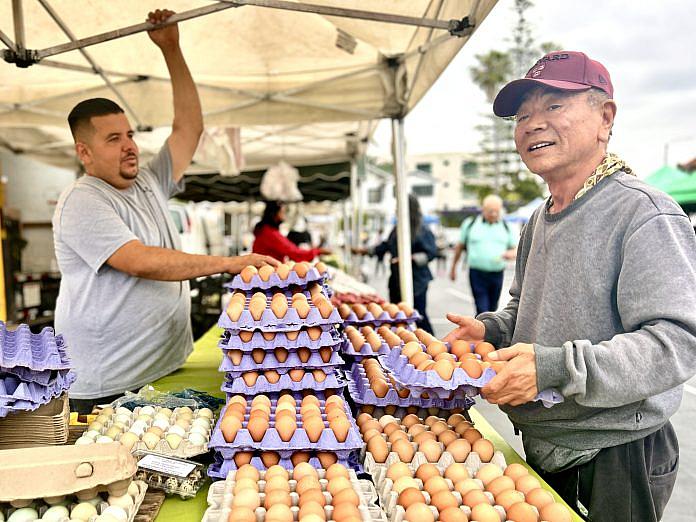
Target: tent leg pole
347,260
403,229
354,200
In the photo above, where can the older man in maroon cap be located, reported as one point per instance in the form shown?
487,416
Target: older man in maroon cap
602,306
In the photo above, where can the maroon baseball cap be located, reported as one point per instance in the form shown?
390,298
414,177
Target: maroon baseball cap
565,70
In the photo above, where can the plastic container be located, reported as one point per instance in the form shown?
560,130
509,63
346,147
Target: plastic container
172,475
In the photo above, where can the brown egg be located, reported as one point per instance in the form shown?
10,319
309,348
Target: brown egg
325,353
419,512
423,436
243,457
302,308
340,428
326,458
235,356
380,387
308,509
362,418
538,497
369,434
424,364
277,497
455,419
346,495
314,332
276,470
282,270
268,336
257,307
279,513
488,472
391,427
484,513
257,427
398,435
415,429
404,449
245,483
461,428
555,513
515,471
338,484
371,424
279,305
472,367
411,349
500,484
247,498
474,497
397,470
234,310
443,500
292,335
425,471
250,378
270,458
453,514
432,419
248,272
310,496
409,420
306,483
431,450
304,354
405,308
346,512
319,375
526,484
484,448
314,427
404,482
272,376
377,446
509,497
456,472
303,468
247,471
286,426
281,354
302,268
410,496
472,435
466,485
324,306
229,426
258,354
435,484
436,348
241,514
276,482
425,337
447,437
522,512
438,427
296,374
483,349
265,272
246,336
459,348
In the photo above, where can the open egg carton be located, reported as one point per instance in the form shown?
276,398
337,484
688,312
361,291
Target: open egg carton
362,392
222,503
313,338
296,435
375,315
47,425
363,342
275,380
287,274
174,476
235,362
69,478
181,432
34,368
261,460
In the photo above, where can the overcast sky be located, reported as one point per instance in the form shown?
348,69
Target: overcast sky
648,47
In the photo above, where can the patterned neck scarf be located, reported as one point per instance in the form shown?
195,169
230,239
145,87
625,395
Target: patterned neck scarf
610,165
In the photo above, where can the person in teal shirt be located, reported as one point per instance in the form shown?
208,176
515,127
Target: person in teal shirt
489,243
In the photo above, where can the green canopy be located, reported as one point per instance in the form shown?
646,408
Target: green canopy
665,176
684,192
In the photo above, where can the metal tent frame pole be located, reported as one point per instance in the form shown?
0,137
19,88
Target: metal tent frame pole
403,229
355,203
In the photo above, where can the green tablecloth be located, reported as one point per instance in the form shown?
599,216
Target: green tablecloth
201,373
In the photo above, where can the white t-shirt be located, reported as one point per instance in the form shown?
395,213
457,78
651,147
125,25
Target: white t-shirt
122,332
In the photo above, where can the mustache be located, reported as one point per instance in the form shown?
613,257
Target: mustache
129,156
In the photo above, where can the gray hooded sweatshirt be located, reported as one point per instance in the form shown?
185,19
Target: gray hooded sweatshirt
606,292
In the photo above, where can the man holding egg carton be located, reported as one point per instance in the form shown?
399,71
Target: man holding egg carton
124,303
595,312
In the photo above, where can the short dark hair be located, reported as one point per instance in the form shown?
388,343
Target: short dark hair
80,115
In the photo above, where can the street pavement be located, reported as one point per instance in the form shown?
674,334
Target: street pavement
445,296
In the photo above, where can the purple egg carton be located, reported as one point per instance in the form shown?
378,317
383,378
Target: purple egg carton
43,377
271,363
239,387
42,351
221,467
299,441
360,391
270,323
384,318
328,337
16,395
365,350
274,281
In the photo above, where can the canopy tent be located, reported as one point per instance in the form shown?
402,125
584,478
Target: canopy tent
665,176
684,192
273,71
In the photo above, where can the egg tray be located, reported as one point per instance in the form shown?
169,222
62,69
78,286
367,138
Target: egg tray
183,450
365,350
274,281
16,395
367,514
47,425
238,386
221,467
328,337
43,377
38,352
100,507
299,441
271,363
269,322
186,487
384,318
361,393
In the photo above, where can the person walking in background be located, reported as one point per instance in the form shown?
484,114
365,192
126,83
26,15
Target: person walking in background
423,250
489,243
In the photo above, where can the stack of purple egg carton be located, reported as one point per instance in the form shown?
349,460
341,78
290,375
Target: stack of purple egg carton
282,337
34,368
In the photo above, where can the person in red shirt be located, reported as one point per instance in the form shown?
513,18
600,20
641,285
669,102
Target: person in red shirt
269,241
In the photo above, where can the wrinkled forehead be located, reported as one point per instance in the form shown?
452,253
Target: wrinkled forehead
545,93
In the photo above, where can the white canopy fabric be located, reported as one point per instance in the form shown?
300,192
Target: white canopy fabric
277,74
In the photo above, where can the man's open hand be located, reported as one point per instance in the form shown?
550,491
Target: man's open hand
516,382
468,329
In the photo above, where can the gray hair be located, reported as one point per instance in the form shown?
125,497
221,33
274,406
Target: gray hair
492,199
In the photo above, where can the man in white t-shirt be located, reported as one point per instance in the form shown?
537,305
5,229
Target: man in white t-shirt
124,301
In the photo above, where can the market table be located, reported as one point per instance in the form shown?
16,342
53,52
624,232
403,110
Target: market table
201,373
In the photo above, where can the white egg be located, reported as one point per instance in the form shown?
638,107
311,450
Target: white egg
165,411
161,424
83,511
200,430
147,410
107,517
196,439
55,514
2,517
84,440
139,424
205,412
116,512
133,490
96,426
201,421
94,501
183,409
178,430
123,411
103,419
151,440
160,415
92,434
121,426
124,501
122,417
104,440
52,501
147,419
23,515
137,430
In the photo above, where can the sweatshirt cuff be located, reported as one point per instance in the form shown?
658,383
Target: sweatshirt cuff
551,371
493,334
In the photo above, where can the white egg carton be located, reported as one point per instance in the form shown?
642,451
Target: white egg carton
130,419
221,496
399,513
99,503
